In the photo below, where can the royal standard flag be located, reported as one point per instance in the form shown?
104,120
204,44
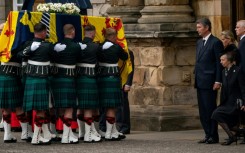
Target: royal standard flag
101,23
20,27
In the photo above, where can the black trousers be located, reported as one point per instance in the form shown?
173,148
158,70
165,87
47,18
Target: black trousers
207,104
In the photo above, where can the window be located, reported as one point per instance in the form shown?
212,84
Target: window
17,5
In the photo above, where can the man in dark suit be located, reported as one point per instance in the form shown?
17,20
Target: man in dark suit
240,32
123,113
207,78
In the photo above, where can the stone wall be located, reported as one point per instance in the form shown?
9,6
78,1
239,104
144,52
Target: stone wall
162,96
218,11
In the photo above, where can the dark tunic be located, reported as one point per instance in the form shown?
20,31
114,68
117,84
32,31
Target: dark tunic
36,92
233,88
87,90
109,81
63,80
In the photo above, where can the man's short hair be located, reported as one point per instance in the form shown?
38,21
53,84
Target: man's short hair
89,28
68,28
205,22
110,32
241,23
39,27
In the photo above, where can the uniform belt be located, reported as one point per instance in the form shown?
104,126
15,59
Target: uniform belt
65,66
51,64
108,64
24,63
86,65
39,63
11,64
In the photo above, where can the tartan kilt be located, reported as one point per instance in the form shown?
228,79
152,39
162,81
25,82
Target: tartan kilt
110,94
64,92
11,92
87,93
36,94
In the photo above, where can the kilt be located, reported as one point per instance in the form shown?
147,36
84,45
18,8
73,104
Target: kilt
11,92
87,93
64,92
36,94
110,94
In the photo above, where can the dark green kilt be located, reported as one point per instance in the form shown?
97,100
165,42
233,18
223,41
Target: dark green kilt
36,94
11,92
110,95
64,92
87,93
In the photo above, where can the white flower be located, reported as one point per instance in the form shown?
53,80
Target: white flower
69,8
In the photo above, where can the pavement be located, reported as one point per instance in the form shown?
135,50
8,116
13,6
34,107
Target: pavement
136,142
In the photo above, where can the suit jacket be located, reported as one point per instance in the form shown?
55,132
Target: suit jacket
208,68
241,48
131,74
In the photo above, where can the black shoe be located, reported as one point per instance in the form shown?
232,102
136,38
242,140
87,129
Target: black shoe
212,141
230,141
203,140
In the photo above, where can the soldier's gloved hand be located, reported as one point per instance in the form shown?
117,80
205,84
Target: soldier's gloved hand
58,47
35,45
83,46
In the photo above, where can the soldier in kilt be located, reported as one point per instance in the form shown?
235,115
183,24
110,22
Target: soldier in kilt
87,90
109,81
63,82
36,92
11,97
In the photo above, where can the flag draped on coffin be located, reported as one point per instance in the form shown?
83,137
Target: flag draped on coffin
20,27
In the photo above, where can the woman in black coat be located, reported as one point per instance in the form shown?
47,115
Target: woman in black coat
233,88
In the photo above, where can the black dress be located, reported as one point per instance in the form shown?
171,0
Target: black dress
233,88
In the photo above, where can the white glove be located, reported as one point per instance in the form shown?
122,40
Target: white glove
58,47
107,45
35,45
83,46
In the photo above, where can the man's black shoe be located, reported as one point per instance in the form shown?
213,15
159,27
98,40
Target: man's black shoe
212,141
203,140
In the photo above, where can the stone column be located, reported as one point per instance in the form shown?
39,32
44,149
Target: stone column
166,11
128,10
2,11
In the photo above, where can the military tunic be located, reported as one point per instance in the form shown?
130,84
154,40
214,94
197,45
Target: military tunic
63,81
109,81
36,92
87,90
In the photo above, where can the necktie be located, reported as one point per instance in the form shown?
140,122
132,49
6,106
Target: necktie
203,42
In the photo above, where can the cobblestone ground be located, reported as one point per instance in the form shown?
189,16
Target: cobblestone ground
137,142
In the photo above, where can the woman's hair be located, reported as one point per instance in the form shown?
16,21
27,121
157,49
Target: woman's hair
228,34
231,56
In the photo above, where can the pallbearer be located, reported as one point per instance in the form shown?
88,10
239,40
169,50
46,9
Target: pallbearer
87,89
63,83
109,81
11,97
36,93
